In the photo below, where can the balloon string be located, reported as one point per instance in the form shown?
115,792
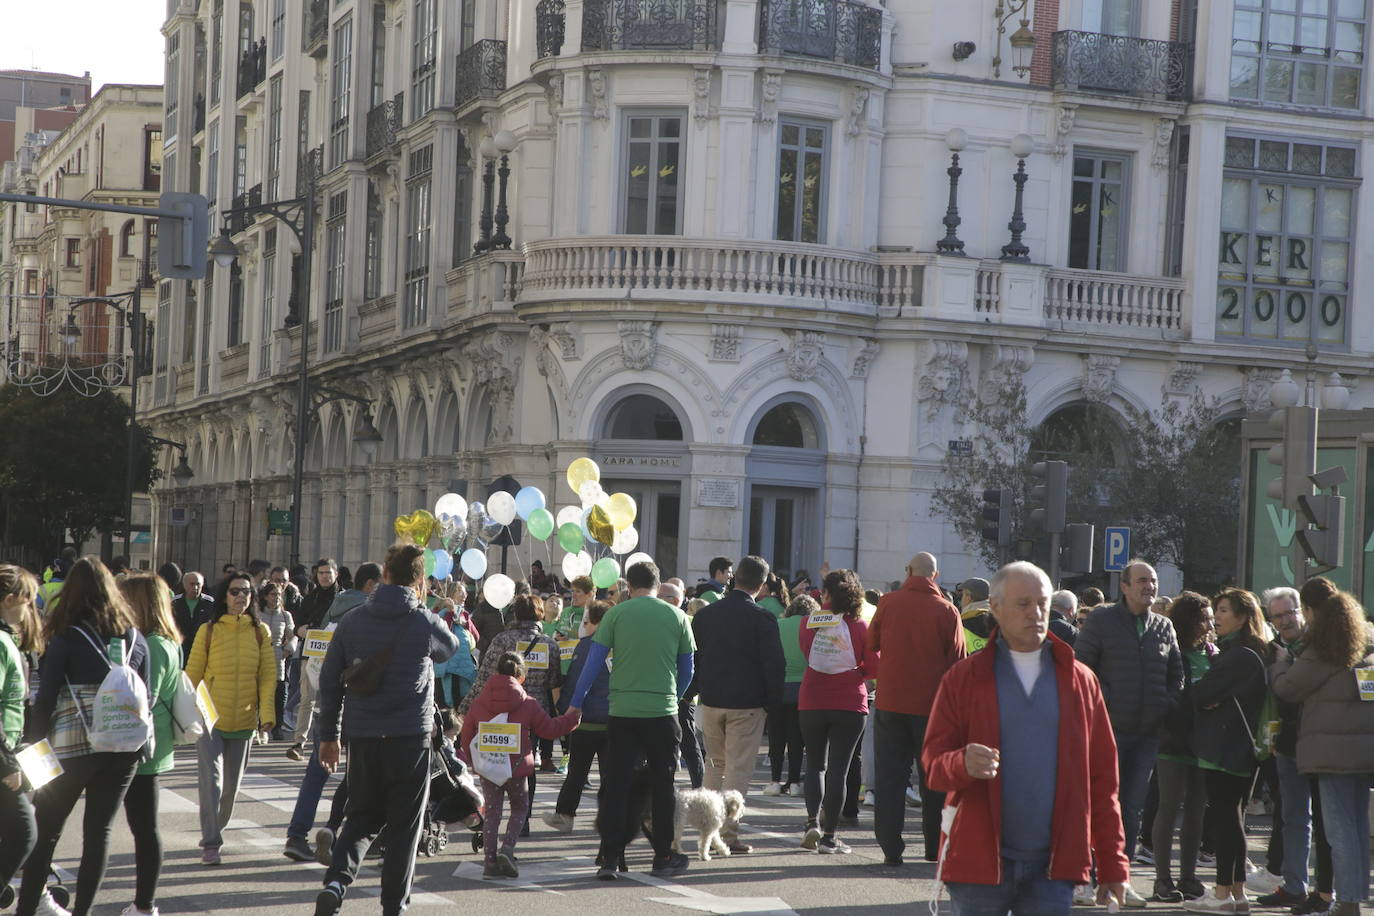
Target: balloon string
518,563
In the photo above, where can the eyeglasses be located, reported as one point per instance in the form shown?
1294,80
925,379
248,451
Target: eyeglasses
1286,615
236,592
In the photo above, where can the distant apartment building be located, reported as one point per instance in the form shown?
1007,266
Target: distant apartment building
53,99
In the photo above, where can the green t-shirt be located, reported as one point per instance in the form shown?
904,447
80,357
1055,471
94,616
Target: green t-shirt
645,636
570,620
789,630
773,604
1139,625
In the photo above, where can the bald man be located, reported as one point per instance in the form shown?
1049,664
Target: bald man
919,635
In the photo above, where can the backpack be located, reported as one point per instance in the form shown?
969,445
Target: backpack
121,721
494,765
187,726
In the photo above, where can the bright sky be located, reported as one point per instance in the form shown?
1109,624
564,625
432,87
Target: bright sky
117,40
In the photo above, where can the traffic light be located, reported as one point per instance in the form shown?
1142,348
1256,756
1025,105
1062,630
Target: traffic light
1324,542
1051,494
1076,553
1295,454
997,511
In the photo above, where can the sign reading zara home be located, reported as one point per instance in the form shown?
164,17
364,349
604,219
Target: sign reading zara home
640,461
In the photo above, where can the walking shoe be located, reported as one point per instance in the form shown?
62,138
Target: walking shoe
324,846
830,846
6,897
295,752
48,907
1263,882
329,900
298,850
811,837
773,788
1210,904
1192,888
1314,905
563,823
606,873
492,870
130,910
740,849
669,866
546,766
1133,900
846,821
209,855
1144,855
869,800
1241,905
1206,858
505,864
1085,895
913,798
1165,892
1345,908
1279,898
893,861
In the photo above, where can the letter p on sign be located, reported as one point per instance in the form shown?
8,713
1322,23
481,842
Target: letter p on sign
1118,550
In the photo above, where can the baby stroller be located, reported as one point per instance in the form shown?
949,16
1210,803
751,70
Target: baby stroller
453,798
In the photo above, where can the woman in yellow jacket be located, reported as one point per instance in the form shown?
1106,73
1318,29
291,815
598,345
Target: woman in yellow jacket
233,656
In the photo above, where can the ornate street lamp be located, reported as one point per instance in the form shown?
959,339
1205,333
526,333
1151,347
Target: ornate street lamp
1016,250
487,150
955,141
505,143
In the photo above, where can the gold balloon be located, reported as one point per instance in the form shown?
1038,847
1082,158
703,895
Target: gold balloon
417,527
599,524
622,510
581,471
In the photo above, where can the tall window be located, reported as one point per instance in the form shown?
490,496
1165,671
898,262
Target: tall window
187,353
340,90
163,328
278,40
378,91
173,90
1097,212
206,311
240,156
212,164
334,273
801,181
216,49
462,206
234,335
416,311
302,127
246,43
268,309
1178,202
1287,232
469,30
126,239
73,253
1298,52
1109,17
274,103
653,186
372,268
422,57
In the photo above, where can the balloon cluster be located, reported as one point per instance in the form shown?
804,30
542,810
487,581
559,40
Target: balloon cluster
465,529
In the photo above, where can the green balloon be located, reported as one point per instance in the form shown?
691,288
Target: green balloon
570,537
604,572
540,524
429,562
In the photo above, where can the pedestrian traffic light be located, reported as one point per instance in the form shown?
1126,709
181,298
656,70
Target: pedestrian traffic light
1050,495
997,512
1076,553
1295,454
1324,542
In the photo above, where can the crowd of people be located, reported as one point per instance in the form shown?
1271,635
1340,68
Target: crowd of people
1048,739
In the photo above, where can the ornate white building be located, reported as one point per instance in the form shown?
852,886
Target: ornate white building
724,283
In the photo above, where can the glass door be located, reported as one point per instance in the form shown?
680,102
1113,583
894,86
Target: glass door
659,520
775,531
1109,17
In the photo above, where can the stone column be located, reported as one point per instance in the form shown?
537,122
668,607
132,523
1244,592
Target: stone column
331,513
381,483
357,521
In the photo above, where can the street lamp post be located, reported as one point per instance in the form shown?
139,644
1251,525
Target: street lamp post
505,143
1016,250
487,150
955,141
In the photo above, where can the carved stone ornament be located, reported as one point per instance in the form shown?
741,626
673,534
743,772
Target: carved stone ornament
1255,392
1164,137
596,90
864,361
940,379
725,343
701,94
553,92
638,343
1002,364
1099,376
769,90
1182,379
1063,125
569,341
858,107
804,354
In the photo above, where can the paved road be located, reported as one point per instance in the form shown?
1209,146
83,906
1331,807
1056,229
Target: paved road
556,869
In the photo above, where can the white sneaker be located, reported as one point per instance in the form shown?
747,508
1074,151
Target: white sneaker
1084,895
1263,882
869,800
913,798
773,788
1133,900
48,907
133,910
1210,904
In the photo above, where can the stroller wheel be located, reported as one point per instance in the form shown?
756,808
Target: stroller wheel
60,895
477,841
431,847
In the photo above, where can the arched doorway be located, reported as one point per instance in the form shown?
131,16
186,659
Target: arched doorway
786,479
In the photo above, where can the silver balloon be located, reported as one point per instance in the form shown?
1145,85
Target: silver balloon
477,510
490,527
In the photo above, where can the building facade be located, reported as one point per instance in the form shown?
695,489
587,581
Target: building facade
724,282
50,99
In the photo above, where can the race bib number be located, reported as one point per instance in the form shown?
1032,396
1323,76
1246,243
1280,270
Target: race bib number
816,621
39,763
538,657
1364,679
499,737
317,643
565,649
206,704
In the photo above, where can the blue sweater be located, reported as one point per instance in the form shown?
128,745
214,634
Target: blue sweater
596,707
1029,756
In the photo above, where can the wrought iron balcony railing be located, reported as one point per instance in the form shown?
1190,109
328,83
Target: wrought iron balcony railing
548,25
1120,65
315,35
250,198
383,124
480,72
309,170
836,30
632,25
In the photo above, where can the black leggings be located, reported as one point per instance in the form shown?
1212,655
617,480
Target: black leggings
831,736
104,778
140,810
1227,795
584,745
1181,787
18,832
785,738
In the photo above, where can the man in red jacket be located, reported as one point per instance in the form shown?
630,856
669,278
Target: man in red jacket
1020,739
918,636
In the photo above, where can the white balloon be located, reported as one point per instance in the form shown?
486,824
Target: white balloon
499,590
634,558
577,564
451,504
590,493
626,539
568,515
501,507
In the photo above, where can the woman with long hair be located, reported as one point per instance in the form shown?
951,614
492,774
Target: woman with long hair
775,597
150,600
83,631
19,633
1332,677
233,656
784,722
282,627
1180,780
832,703
1226,704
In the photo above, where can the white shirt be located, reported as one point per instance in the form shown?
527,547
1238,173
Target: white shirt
1027,665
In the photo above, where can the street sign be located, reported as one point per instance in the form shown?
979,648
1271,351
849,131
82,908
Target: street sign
278,522
1118,550
961,448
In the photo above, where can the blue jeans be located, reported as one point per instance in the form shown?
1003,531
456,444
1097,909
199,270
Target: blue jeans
1296,801
1345,812
308,798
1026,890
293,693
1135,759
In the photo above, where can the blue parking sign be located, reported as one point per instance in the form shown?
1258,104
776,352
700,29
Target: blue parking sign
1118,550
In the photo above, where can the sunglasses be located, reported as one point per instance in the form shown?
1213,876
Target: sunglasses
240,591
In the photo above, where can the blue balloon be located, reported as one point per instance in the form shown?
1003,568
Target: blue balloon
474,563
443,564
528,501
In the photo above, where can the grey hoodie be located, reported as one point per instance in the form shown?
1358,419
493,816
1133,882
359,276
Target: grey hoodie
344,602
403,705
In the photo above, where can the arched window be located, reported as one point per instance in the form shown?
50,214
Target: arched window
643,416
787,426
126,240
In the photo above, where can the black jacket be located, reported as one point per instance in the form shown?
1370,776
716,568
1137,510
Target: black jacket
1061,626
739,661
1176,731
1290,716
315,605
188,622
1220,737
1141,676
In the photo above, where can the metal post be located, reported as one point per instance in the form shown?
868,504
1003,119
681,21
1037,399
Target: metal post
488,179
135,323
307,238
951,244
500,239
1016,250
504,548
1054,558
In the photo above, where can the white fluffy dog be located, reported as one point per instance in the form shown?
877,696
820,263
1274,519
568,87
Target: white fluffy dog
708,811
